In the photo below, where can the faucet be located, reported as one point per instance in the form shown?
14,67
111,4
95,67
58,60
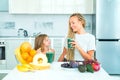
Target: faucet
36,34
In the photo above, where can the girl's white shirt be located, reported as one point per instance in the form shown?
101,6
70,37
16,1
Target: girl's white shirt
85,41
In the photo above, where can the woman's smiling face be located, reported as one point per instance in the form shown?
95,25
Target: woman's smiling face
75,24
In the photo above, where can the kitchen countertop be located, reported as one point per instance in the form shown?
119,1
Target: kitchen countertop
28,37
4,71
56,72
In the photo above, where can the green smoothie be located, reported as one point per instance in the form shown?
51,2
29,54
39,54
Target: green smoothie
69,44
50,57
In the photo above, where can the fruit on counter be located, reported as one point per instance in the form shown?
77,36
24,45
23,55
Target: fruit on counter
23,57
71,64
30,59
24,67
96,66
32,52
40,62
66,65
25,47
25,53
74,64
89,68
82,68
40,58
19,57
92,65
40,66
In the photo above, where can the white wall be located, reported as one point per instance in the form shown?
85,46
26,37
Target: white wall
53,25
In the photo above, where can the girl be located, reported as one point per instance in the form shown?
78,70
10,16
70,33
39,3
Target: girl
42,44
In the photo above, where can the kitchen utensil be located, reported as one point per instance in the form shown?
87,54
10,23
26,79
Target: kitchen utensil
25,33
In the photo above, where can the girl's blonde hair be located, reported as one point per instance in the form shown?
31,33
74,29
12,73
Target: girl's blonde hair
71,34
39,42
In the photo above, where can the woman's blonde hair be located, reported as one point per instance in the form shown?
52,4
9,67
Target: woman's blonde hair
39,42
71,34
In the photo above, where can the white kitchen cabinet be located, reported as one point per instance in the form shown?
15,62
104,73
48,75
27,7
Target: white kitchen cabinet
81,6
57,44
51,6
2,66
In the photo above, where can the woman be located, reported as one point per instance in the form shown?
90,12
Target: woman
83,44
42,44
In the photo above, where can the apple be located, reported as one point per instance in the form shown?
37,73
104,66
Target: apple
96,66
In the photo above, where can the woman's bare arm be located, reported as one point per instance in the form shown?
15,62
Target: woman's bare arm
61,58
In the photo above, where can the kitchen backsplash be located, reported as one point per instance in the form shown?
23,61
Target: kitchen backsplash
53,25
7,25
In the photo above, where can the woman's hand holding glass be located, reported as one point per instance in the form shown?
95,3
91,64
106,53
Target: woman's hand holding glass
75,44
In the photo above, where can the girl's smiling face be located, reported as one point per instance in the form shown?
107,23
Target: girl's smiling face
46,42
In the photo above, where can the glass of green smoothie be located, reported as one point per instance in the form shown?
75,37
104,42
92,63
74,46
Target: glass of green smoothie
69,40
50,56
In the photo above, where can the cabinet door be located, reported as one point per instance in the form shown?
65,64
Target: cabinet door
84,6
50,6
57,45
11,45
81,6
2,66
18,6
